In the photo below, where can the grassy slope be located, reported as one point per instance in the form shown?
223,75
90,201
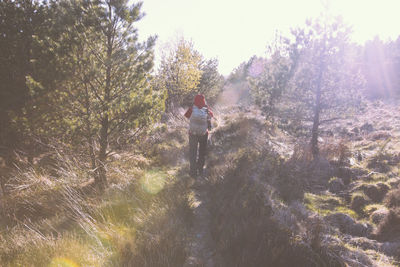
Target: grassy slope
145,217
141,219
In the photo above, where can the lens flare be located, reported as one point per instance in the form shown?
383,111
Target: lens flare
62,262
153,181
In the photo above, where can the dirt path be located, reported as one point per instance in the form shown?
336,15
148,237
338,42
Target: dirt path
201,249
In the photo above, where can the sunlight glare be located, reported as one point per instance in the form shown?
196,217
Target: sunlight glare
62,262
233,31
153,181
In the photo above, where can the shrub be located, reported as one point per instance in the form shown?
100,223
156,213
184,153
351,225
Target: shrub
375,192
392,199
389,228
250,229
381,135
358,201
336,151
290,184
336,185
379,215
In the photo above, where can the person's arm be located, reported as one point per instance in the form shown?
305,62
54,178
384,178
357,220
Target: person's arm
188,113
210,115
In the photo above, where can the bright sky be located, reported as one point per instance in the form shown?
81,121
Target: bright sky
235,30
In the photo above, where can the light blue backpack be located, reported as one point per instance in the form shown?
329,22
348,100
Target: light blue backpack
198,121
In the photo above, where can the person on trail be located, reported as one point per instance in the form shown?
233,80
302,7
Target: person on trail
200,123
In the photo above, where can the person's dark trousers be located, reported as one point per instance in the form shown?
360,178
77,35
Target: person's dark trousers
197,143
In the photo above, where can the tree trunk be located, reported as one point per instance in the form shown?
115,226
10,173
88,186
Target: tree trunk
2,186
317,112
101,175
91,153
315,128
89,135
317,108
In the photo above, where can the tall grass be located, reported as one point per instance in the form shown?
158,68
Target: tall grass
53,222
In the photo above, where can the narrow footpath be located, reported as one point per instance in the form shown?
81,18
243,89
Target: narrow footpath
201,249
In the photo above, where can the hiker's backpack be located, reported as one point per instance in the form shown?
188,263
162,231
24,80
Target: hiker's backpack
198,121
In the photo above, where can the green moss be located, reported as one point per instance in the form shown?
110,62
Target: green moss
347,211
327,204
358,194
377,177
368,209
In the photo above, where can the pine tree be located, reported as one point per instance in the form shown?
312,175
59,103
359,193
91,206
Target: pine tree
110,90
277,70
211,82
326,83
311,75
30,69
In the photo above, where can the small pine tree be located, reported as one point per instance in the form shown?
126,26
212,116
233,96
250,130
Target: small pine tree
325,84
110,89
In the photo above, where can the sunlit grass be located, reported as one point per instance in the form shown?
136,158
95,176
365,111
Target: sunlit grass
62,262
153,181
69,250
368,209
327,204
103,231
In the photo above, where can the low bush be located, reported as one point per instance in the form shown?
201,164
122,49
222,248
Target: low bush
383,162
389,228
392,198
358,201
249,230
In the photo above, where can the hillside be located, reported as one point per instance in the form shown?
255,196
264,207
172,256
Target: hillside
263,199
97,167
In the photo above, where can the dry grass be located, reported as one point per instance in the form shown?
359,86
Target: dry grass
252,229
51,222
336,150
143,218
249,226
56,219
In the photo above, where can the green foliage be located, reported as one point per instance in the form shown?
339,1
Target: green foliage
327,204
184,73
270,85
110,90
29,71
76,71
325,80
180,72
237,87
312,74
242,72
211,82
